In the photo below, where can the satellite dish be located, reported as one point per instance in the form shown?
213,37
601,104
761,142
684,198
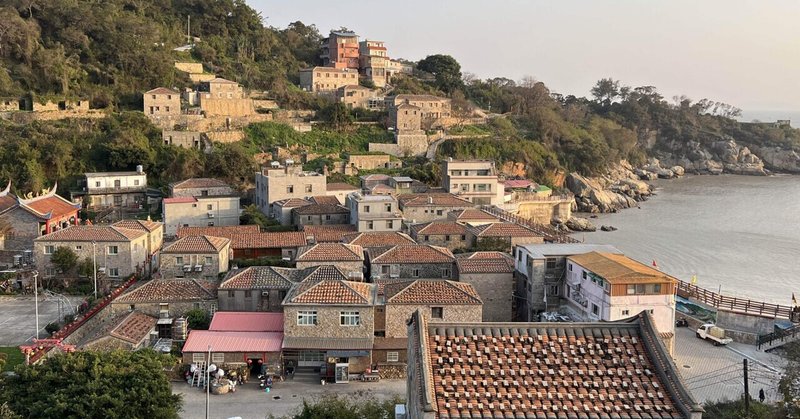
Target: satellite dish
212,368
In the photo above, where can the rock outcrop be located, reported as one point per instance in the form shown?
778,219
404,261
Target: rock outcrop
722,156
778,159
580,224
620,188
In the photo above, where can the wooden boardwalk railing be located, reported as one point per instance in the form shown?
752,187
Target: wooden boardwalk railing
739,305
549,233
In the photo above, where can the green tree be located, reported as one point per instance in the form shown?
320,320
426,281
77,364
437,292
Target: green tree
790,382
86,267
606,90
118,384
198,319
64,259
445,70
336,407
337,115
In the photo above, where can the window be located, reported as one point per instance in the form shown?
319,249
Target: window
553,290
132,307
97,184
217,357
307,318
595,309
50,272
198,358
290,189
231,294
211,224
204,193
179,260
640,289
327,217
551,263
79,247
194,205
437,312
388,207
366,208
248,294
210,207
426,238
570,267
656,288
308,218
626,312
445,273
113,272
209,260
389,224
439,212
385,269
463,237
415,273
309,188
392,356
369,225
49,249
113,250
583,275
349,318
631,289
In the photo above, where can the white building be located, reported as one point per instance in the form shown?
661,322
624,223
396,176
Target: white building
113,189
199,211
473,180
277,182
374,212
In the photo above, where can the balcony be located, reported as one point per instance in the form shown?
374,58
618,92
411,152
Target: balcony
114,190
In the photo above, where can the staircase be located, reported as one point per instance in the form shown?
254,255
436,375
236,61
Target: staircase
777,339
549,233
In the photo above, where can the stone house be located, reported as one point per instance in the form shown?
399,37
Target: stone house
221,97
491,274
168,299
375,239
368,161
374,212
430,111
472,216
196,257
277,183
327,233
155,236
473,180
415,261
502,234
348,257
248,243
161,102
327,316
185,139
320,214
113,189
372,180
236,339
355,96
128,331
282,210
326,79
448,234
29,218
200,187
424,207
199,211
256,288
119,252
374,61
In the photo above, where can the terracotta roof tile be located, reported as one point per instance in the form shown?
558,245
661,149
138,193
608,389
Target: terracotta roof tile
88,233
330,233
179,200
197,244
431,292
50,206
339,186
320,209
502,230
260,277
413,253
439,228
135,327
470,214
146,225
218,231
167,290
484,262
161,91
330,252
200,182
332,292
291,203
432,199
324,199
377,239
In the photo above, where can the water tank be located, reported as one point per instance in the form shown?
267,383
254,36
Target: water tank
179,329
139,169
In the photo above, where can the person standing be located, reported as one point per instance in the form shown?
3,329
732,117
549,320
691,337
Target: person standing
761,395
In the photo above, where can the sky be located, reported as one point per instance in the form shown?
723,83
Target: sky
745,53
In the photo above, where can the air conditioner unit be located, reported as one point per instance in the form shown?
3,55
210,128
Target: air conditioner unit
187,268
198,268
101,269
210,215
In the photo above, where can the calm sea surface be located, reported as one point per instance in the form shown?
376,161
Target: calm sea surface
740,233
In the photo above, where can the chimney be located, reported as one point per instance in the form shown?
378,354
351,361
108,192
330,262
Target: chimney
325,170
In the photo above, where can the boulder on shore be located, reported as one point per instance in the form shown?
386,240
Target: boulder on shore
580,224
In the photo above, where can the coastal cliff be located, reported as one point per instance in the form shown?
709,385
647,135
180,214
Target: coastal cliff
620,188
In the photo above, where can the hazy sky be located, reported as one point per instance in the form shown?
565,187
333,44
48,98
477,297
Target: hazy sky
746,53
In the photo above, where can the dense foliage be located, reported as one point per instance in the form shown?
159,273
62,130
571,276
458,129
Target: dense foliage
93,384
335,407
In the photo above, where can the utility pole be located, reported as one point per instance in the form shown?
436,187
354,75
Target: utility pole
746,390
94,264
188,29
36,299
208,381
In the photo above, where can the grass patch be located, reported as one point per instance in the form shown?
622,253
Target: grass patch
471,130
13,355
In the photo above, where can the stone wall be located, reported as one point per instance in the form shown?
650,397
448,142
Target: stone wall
210,191
94,323
130,255
227,107
186,139
544,211
328,322
188,67
320,219
170,268
398,314
406,270
24,228
429,213
456,241
176,308
496,291
237,300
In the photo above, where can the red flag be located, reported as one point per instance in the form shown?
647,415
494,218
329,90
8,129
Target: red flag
655,265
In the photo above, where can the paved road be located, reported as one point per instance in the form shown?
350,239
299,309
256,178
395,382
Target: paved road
248,402
715,372
18,322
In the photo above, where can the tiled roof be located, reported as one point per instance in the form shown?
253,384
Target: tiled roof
330,233
179,200
51,206
220,80
167,290
199,182
218,231
432,199
161,91
471,214
200,340
616,268
421,97
517,183
89,233
322,272
377,239
260,277
339,186
246,321
381,188
291,203
413,253
146,225
331,292
525,370
296,342
320,209
325,199
276,240
502,230
431,292
330,252
439,228
197,244
484,262
134,327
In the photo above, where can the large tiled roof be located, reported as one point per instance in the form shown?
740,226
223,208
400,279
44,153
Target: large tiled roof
134,327
322,272
324,199
320,209
439,228
246,321
532,370
179,200
342,344
413,253
51,207
167,290
330,252
292,203
339,186
199,182
484,262
146,225
217,231
471,214
431,292
257,342
616,268
197,244
89,233
502,230
161,91
281,239
432,199
330,233
377,239
331,292
260,277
